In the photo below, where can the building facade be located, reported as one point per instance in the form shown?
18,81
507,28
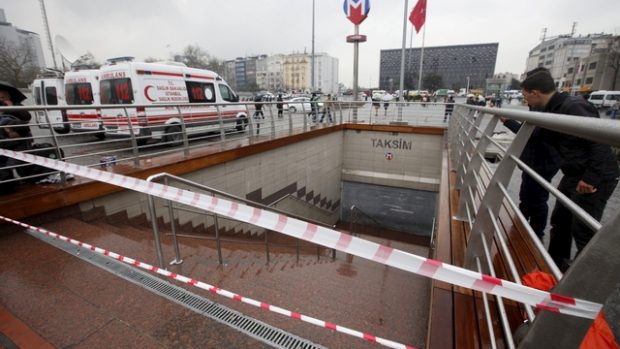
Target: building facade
459,66
16,38
282,73
502,82
579,64
296,69
269,73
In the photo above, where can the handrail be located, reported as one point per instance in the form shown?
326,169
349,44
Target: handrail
307,204
178,260
355,208
480,201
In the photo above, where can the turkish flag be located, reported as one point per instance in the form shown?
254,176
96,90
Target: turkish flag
418,15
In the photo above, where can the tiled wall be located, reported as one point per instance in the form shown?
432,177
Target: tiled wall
407,160
309,170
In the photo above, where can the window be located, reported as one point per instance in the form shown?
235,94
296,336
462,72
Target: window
116,91
79,94
570,70
51,96
592,66
589,80
200,92
227,94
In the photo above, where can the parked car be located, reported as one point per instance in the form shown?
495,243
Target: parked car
299,104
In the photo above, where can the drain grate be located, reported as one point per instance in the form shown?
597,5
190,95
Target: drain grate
254,328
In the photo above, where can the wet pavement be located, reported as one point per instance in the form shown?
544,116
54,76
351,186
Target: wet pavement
71,303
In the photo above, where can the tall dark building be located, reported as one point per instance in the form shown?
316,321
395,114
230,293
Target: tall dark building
453,63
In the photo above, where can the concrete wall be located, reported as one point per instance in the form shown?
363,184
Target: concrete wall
311,171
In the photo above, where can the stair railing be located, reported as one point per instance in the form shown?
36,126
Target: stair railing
167,177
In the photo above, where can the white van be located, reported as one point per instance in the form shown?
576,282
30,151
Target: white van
155,84
50,91
82,88
604,99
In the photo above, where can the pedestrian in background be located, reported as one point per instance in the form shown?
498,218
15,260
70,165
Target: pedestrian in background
327,109
449,108
314,106
258,105
590,169
614,109
386,103
376,103
279,105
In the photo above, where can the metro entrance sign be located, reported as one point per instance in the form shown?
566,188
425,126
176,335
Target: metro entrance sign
356,10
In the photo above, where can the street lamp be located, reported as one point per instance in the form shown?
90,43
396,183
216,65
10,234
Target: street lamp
467,88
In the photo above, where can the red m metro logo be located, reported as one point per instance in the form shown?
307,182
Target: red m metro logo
356,10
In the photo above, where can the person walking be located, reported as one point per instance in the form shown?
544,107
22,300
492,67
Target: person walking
327,109
387,98
449,108
279,105
258,106
614,109
376,103
590,169
314,106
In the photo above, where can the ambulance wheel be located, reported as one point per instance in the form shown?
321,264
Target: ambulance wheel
173,135
242,123
292,109
100,135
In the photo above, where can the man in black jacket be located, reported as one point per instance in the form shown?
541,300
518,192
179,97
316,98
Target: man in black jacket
543,157
590,169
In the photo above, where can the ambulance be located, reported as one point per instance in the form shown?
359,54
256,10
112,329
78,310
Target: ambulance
50,90
82,88
201,98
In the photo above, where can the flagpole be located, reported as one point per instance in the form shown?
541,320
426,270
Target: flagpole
402,63
421,60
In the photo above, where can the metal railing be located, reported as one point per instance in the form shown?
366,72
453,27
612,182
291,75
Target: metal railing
96,148
483,190
167,178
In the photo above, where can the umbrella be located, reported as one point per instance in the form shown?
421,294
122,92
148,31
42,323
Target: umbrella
16,96
387,97
470,96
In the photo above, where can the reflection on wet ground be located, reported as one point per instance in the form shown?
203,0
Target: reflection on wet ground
71,303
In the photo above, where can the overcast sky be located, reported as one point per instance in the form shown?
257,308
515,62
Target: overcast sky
233,28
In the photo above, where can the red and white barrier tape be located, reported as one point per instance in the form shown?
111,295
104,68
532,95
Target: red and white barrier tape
332,239
193,282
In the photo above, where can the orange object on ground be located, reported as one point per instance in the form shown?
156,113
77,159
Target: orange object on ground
599,336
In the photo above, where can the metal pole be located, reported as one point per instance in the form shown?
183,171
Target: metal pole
355,72
312,68
421,60
49,35
160,256
177,259
402,63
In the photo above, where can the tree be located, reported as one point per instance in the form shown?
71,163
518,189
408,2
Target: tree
515,84
17,65
195,57
432,81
